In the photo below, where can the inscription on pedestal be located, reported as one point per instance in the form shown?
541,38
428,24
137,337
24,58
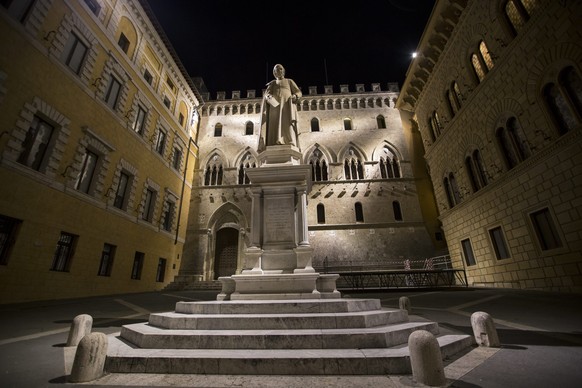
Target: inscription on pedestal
279,220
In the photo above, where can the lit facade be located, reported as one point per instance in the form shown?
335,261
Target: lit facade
371,202
97,118
496,91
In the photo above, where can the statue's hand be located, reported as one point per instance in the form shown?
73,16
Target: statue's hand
294,98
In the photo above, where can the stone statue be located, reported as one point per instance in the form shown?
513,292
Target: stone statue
279,111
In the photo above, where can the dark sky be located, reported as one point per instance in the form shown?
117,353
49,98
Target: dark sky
234,44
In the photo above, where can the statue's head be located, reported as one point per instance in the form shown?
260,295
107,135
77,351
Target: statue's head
279,71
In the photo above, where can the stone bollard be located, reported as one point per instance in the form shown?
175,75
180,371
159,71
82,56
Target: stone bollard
484,329
404,304
80,327
90,358
426,359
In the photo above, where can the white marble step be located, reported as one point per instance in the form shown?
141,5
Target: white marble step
125,358
294,306
144,335
173,320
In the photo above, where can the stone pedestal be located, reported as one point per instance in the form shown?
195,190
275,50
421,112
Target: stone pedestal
279,255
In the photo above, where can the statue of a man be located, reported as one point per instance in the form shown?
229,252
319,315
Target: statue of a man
279,111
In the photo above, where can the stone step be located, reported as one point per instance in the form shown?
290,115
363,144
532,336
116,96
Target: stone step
125,358
146,336
178,321
295,306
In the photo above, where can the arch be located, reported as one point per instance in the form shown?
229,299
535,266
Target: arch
379,151
315,125
381,122
344,152
242,155
329,154
126,27
183,114
227,216
215,151
249,128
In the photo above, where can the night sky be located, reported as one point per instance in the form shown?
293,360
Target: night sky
233,45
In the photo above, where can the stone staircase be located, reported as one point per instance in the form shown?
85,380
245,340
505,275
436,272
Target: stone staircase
282,337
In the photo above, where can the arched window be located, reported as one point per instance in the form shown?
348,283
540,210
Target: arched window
451,190
320,214
359,210
475,170
249,128
481,61
348,124
381,122
518,13
454,98
213,172
486,55
313,105
218,130
353,168
315,124
247,162
435,125
329,105
389,165
564,100
512,143
318,167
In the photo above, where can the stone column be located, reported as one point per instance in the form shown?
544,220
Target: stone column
303,235
256,224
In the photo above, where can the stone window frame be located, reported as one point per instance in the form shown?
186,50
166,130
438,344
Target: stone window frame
129,198
72,24
319,166
499,247
534,233
90,141
54,156
469,262
510,141
113,69
451,189
169,203
154,206
573,107
476,172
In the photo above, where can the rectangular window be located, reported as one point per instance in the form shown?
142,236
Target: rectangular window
106,260
177,159
148,206
359,212
64,252
499,245
8,230
94,6
148,76
36,144
161,272
123,42
121,193
468,252
167,102
87,173
74,53
137,265
112,94
170,83
545,229
181,119
139,124
169,216
18,9
161,142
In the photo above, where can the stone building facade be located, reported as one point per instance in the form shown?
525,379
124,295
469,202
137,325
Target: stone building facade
371,202
96,151
496,90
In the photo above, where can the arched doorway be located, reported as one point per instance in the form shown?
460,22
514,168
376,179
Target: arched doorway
226,252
